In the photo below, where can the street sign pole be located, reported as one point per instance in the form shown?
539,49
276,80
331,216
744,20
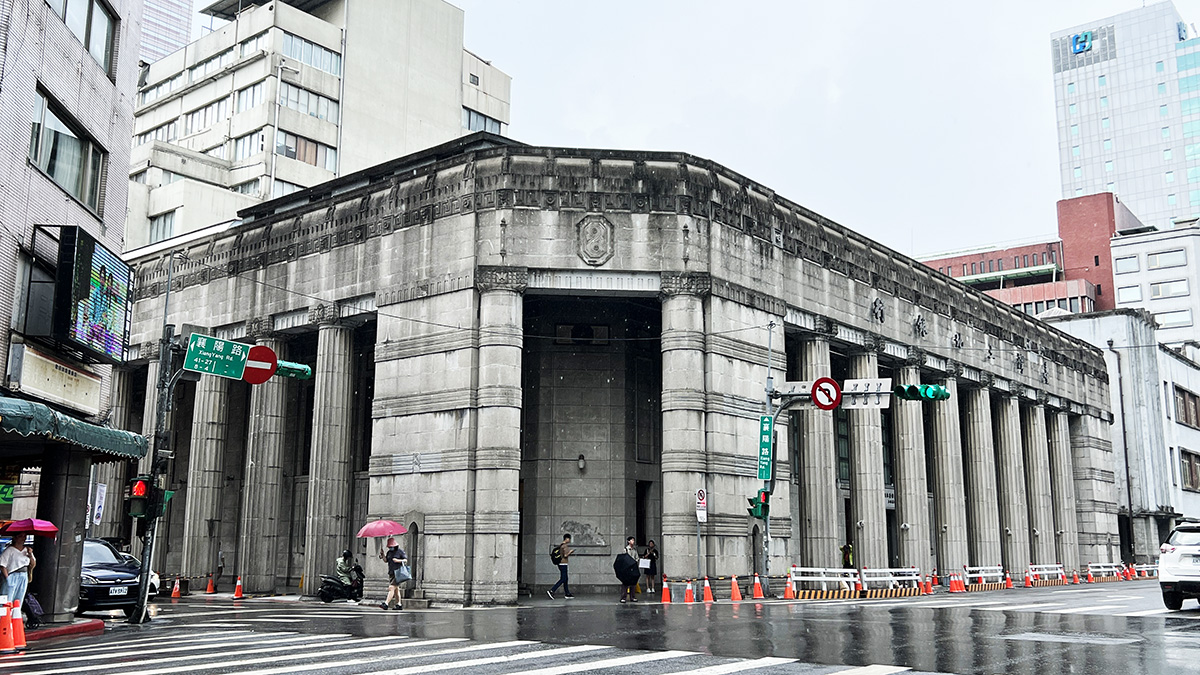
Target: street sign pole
701,517
769,484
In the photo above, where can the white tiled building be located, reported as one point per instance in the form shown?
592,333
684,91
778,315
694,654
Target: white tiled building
1157,271
292,93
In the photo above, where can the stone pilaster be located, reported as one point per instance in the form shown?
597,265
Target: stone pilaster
949,498
149,414
819,536
1095,489
912,490
983,507
205,477
259,548
1037,485
1062,480
112,474
1014,512
495,481
683,419
868,508
329,467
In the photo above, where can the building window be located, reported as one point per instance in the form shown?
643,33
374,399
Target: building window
1193,174
1043,257
1104,123
1167,155
991,265
68,156
1166,132
217,151
169,177
1169,289
474,79
250,187
283,188
474,121
161,89
1189,468
1070,87
1073,109
139,177
1025,260
1108,166
1162,87
250,97
1000,264
1187,407
1074,150
162,226
841,421
1164,259
1162,111
1108,144
312,54
166,133
1129,294
257,43
1016,262
964,269
1125,265
248,145
1103,101
1078,172
305,150
1194,197
1189,106
1158,66
1102,80
1177,319
1171,200
1169,176
973,269
1074,129
207,116
1192,128
93,24
209,66
307,102
1075,305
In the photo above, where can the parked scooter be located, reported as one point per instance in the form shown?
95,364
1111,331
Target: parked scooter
332,587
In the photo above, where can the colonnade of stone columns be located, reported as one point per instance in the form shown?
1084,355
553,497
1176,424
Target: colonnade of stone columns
262,498
205,476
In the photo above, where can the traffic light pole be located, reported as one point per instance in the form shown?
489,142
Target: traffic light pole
769,484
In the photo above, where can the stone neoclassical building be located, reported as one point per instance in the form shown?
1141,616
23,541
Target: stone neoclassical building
513,342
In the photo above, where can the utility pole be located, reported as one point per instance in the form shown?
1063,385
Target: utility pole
769,484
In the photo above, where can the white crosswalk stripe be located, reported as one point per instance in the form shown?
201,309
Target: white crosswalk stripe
1081,610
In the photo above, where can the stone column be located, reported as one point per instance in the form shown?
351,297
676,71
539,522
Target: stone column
1062,480
683,419
868,508
819,536
150,410
1010,463
912,491
328,520
112,474
1095,489
62,492
205,477
949,499
258,550
1037,485
495,482
983,507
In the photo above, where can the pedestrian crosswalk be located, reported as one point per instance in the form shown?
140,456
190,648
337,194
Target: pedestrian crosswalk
1069,602
193,649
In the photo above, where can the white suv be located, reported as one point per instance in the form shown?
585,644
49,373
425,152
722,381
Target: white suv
1179,566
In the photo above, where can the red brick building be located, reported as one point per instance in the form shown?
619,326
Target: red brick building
1072,272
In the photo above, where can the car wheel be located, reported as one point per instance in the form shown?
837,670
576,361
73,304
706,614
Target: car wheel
1172,600
325,595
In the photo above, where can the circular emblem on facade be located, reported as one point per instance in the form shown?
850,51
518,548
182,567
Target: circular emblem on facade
595,240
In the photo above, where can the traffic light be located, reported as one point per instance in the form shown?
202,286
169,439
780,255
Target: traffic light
137,495
760,505
921,392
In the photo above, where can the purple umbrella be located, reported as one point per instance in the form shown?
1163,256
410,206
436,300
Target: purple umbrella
41,528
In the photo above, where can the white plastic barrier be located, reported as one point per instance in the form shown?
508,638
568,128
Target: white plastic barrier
1044,572
1104,569
984,575
824,578
897,577
1146,570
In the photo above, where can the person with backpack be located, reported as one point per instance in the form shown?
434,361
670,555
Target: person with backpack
559,555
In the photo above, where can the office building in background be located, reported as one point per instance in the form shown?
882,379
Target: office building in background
166,27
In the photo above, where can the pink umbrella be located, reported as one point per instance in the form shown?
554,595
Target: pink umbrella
41,528
382,528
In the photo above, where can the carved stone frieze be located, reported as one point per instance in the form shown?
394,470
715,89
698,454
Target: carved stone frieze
878,310
916,357
685,283
324,314
490,278
596,240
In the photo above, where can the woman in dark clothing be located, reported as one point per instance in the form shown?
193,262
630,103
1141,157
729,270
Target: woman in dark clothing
652,571
396,558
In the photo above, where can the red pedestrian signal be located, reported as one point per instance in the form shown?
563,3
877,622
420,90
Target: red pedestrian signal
138,496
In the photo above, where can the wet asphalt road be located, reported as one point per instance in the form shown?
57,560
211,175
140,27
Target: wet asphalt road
1109,629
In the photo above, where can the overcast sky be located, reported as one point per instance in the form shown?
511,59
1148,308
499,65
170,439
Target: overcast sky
928,126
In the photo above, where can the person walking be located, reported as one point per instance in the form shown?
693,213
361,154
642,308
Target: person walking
560,555
397,561
848,556
651,554
15,563
627,590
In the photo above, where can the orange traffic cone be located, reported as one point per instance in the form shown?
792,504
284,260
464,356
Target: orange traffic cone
237,590
956,584
689,596
18,623
735,591
210,588
935,578
708,597
6,629
666,593
175,590
1075,576
927,587
1007,579
1089,575
757,594
1028,581
858,583
789,591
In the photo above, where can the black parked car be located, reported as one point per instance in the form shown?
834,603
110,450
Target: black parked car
108,580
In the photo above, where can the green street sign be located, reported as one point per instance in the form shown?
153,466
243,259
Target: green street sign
214,356
766,429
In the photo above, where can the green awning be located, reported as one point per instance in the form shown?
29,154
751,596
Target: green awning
27,418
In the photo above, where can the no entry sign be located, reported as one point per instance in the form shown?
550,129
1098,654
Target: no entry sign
826,394
261,363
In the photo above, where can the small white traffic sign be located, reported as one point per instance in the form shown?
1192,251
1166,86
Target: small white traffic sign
701,506
867,393
826,394
801,388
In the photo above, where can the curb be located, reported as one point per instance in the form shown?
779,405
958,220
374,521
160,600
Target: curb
74,628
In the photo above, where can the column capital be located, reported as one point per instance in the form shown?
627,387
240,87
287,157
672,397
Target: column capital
495,278
873,344
823,328
916,357
685,283
263,328
324,314
953,369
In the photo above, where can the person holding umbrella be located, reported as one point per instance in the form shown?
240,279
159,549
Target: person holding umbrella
15,563
626,569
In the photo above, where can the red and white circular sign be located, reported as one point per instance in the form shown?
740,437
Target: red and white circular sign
826,394
261,363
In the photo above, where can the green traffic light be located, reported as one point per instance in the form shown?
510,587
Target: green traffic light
921,392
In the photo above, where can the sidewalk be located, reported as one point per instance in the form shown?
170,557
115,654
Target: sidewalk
57,630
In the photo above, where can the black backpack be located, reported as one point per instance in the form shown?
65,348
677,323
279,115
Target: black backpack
556,554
